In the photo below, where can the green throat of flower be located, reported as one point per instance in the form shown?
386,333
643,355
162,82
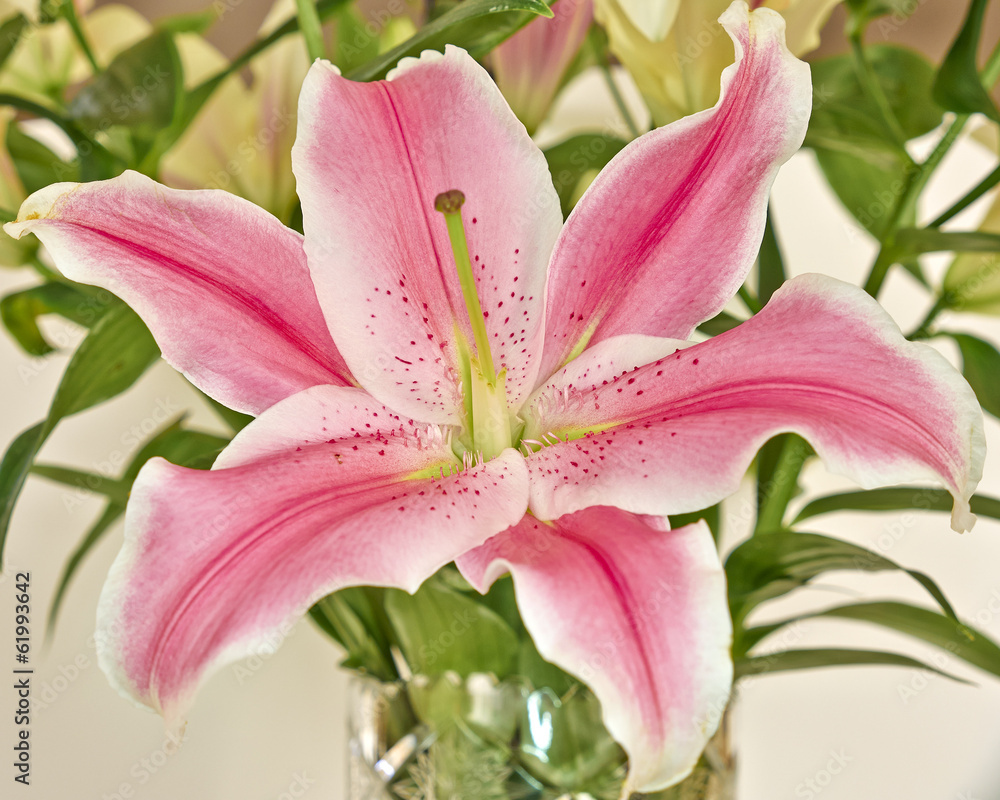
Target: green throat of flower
488,419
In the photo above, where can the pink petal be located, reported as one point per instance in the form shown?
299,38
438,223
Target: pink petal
369,160
222,285
667,232
638,613
216,563
530,65
822,359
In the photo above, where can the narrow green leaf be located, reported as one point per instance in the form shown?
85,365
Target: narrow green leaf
572,159
440,629
10,35
87,481
981,368
312,29
931,240
13,472
766,567
771,265
109,516
116,352
20,312
110,359
465,25
186,448
921,623
896,499
789,660
351,617
958,86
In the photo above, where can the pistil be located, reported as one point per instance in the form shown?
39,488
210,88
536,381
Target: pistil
450,205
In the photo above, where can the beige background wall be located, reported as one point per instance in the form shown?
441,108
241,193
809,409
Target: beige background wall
275,727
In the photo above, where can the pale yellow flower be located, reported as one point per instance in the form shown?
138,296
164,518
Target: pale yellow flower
242,140
47,58
676,49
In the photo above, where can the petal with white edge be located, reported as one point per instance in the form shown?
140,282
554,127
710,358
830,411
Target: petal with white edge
369,161
665,235
222,285
656,429
325,490
638,613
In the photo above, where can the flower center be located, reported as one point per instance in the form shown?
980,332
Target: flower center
487,415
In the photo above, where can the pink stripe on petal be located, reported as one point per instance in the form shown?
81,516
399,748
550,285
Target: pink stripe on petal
370,158
638,613
677,434
216,563
222,285
667,232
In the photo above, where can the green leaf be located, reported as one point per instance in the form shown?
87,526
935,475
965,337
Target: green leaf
20,312
37,166
440,629
843,112
541,673
186,448
139,90
355,45
354,618
80,479
476,25
116,352
766,567
10,35
720,323
770,264
194,22
981,368
236,420
958,86
13,472
110,359
896,499
789,660
570,160
921,623
932,240
712,517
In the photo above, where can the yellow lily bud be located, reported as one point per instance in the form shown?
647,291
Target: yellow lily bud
676,49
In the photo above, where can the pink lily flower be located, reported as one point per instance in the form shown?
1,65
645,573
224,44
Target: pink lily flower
530,65
491,387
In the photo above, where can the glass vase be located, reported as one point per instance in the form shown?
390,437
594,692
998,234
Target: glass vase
445,738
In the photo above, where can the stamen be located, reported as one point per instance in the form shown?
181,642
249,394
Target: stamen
450,205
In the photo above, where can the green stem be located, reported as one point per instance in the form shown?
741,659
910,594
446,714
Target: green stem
69,13
871,86
982,188
312,28
602,58
922,331
917,180
782,485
